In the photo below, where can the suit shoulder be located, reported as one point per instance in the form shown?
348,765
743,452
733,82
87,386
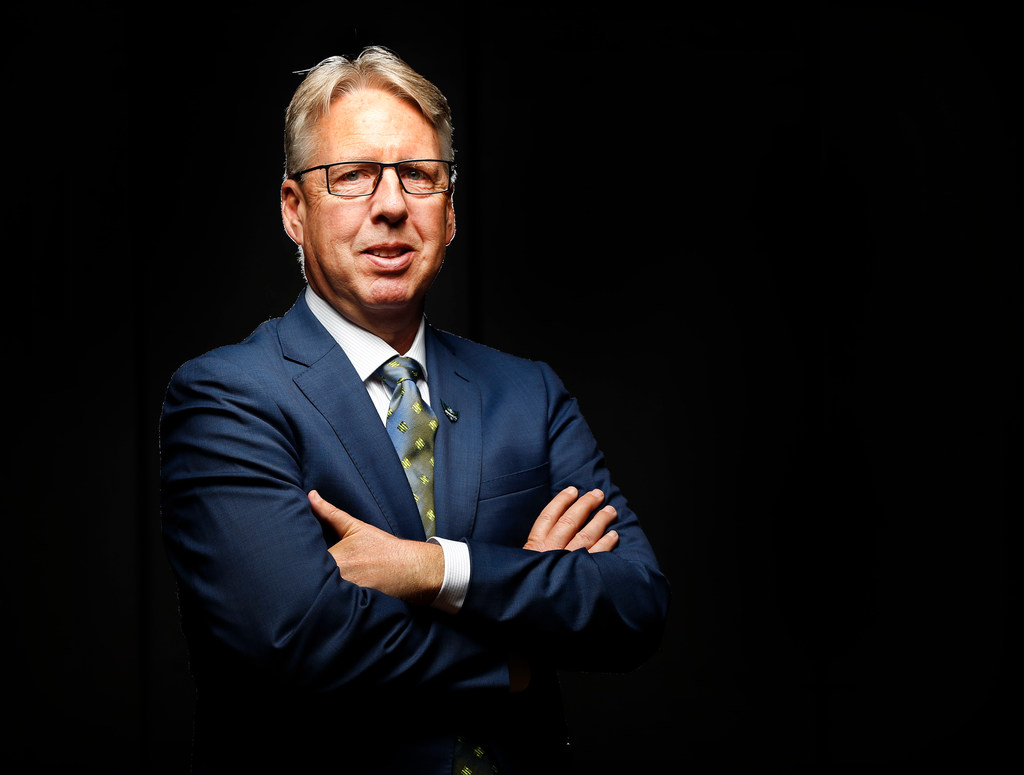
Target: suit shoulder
468,351
258,350
483,362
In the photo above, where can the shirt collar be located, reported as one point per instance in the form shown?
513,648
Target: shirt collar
366,351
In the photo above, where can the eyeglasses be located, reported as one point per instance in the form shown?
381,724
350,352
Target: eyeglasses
419,177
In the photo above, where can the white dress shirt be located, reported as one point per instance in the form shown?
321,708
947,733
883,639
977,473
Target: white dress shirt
367,352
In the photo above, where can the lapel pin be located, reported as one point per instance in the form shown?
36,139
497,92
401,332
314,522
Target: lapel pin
450,413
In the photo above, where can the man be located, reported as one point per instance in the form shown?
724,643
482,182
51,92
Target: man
324,631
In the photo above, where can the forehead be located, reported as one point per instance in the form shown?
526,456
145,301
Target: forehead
370,124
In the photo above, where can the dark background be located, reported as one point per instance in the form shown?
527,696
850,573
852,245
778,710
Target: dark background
808,251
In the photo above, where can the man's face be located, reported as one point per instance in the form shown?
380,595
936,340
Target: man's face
373,257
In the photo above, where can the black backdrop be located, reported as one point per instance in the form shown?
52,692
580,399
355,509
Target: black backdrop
812,231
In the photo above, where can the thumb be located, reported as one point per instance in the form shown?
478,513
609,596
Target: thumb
340,520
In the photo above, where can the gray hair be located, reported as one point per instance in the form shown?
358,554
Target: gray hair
375,68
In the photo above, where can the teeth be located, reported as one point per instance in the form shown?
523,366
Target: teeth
387,253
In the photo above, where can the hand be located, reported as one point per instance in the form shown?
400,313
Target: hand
562,524
409,570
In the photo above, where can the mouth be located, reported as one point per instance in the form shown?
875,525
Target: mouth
389,256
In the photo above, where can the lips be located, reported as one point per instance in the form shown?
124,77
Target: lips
388,252
390,256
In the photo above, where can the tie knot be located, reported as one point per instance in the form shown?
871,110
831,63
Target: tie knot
399,369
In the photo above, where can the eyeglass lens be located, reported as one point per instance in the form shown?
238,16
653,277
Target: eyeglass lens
359,178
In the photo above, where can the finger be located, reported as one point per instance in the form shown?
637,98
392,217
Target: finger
340,520
566,526
592,532
549,515
605,543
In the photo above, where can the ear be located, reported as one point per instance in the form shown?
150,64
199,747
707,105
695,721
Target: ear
293,209
449,218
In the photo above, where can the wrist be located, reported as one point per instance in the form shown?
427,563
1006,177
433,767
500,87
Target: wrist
428,574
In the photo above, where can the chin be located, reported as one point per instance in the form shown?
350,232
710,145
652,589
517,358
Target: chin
394,295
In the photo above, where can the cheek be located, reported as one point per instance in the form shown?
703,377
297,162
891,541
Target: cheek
438,225
335,231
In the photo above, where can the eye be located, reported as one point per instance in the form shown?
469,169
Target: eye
412,172
423,176
352,177
350,173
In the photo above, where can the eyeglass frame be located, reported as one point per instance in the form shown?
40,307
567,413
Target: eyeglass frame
383,166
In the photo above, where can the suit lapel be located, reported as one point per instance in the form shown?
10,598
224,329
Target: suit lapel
456,401
331,384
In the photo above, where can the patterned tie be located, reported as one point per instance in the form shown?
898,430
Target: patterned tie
411,425
471,760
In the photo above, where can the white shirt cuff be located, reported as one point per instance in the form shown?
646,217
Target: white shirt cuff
456,575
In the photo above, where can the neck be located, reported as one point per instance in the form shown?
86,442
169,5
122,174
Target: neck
396,327
401,339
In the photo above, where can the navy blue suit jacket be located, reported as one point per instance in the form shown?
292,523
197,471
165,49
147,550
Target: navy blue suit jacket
295,667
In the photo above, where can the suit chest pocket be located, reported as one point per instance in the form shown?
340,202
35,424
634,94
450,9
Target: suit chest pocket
516,482
509,505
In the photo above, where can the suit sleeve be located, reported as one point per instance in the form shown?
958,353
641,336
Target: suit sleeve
256,582
575,610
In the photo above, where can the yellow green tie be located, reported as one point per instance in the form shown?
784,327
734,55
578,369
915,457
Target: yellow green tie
472,760
411,425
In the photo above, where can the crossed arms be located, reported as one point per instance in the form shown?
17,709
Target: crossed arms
293,586
413,570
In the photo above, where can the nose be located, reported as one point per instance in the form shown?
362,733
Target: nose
388,200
